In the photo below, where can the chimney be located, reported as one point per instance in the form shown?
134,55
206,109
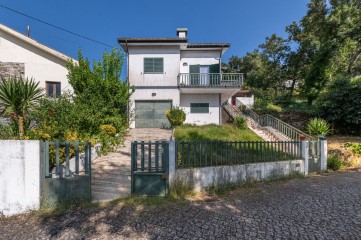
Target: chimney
182,32
28,31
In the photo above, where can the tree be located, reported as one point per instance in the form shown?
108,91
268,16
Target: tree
100,91
340,104
19,96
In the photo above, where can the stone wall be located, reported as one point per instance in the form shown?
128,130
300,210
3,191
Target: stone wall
8,69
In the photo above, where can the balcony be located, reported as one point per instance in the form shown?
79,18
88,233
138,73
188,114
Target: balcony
210,80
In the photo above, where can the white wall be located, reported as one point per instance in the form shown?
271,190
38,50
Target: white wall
249,101
198,57
170,55
201,118
19,176
146,94
39,64
202,178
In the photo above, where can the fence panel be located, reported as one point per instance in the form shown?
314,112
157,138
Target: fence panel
66,172
203,154
149,168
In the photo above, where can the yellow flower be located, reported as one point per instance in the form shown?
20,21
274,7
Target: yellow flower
45,136
108,129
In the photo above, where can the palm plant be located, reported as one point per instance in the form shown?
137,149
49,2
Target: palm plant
318,127
18,96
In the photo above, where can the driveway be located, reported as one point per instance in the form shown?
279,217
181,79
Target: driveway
318,207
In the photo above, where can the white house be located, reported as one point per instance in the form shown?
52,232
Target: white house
21,55
170,72
245,97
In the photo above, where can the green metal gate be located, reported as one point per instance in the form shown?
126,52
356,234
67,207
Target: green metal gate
150,168
65,172
152,114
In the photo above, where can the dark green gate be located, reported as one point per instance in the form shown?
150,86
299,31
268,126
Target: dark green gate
65,172
150,168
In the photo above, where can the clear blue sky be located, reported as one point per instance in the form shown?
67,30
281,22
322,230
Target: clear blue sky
243,23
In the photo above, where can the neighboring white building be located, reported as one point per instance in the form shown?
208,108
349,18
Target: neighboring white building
170,72
245,97
21,55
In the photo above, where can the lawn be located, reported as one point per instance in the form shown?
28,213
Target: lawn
214,132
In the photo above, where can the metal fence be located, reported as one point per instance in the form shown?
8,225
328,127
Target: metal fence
203,154
56,153
267,120
66,172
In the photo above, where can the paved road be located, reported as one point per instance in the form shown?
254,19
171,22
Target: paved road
318,207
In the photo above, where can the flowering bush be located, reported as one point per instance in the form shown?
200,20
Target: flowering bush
176,116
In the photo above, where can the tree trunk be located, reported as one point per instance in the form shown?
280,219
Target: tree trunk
21,127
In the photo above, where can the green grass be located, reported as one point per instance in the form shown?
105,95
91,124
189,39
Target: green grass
214,132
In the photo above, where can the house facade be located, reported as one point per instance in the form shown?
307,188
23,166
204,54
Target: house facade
171,72
23,56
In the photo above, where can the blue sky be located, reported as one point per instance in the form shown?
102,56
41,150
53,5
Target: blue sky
243,23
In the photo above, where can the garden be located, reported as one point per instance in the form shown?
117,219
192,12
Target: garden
95,112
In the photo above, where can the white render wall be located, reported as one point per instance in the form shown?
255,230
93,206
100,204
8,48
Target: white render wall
170,55
249,101
198,57
146,94
19,176
201,118
205,177
39,64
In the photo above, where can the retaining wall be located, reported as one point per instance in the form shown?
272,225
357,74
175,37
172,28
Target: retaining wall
201,178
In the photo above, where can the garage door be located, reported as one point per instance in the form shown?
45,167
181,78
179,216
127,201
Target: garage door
151,114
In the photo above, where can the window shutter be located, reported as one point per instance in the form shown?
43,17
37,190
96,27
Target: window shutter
193,68
214,68
158,65
199,107
148,65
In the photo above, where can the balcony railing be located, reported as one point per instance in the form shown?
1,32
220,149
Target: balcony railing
210,79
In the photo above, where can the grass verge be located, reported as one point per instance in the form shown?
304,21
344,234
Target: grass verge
212,132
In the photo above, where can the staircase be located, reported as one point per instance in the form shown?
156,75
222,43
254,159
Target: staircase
267,127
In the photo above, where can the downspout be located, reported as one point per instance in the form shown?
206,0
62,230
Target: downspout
220,95
128,105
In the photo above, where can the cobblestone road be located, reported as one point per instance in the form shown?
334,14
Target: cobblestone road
318,207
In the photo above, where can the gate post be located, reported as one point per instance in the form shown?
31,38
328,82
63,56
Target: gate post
323,153
305,146
172,160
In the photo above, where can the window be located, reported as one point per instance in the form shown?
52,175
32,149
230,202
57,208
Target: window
199,107
53,89
153,65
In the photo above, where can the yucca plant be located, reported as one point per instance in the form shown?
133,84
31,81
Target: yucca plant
318,127
240,122
18,96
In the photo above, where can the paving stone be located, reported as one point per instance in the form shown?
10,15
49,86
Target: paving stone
282,210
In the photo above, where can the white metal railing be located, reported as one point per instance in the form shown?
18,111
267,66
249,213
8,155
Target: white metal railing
210,79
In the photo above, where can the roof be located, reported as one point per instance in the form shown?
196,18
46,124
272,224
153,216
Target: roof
152,40
243,93
208,45
124,42
35,43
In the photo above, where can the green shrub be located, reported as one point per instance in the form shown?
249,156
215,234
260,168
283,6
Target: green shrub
6,132
340,104
240,122
356,147
334,162
318,127
262,106
176,116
